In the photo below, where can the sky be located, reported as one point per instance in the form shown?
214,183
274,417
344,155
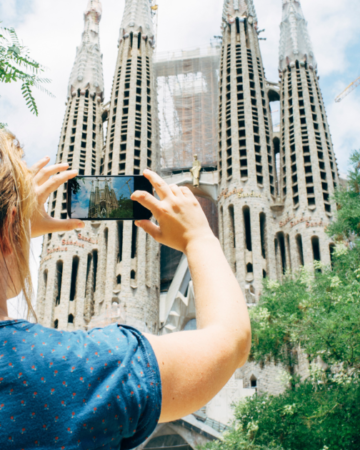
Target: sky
52,30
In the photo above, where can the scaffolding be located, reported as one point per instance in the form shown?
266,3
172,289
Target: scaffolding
187,86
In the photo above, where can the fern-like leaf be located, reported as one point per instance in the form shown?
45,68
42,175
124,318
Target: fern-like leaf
30,101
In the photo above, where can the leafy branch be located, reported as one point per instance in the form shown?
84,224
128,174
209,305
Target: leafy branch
16,65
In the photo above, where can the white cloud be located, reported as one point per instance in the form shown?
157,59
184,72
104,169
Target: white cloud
52,30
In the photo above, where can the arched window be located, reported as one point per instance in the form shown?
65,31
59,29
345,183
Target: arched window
58,281
232,226
253,381
221,223
56,323
134,241
120,229
331,250
118,279
247,225
71,319
281,240
133,275
263,234
299,245
316,248
45,275
74,273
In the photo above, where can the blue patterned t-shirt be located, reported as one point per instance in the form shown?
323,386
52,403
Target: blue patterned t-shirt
76,390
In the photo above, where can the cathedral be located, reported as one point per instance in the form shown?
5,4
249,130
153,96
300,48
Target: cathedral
103,199
265,189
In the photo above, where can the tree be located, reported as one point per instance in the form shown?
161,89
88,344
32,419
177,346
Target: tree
16,65
319,313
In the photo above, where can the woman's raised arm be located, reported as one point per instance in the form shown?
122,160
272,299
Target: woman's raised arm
195,365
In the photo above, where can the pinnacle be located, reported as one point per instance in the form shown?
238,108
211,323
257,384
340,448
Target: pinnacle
137,17
295,41
87,72
238,8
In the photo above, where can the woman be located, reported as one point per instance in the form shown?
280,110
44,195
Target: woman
108,388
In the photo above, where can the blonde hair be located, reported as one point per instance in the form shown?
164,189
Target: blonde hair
16,192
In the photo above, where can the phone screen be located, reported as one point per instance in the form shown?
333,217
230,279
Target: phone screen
106,198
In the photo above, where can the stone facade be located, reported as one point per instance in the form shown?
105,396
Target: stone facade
109,264
275,190
272,190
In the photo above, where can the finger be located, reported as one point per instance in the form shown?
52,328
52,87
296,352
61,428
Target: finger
39,165
162,189
186,192
176,190
57,225
46,172
51,185
149,228
147,200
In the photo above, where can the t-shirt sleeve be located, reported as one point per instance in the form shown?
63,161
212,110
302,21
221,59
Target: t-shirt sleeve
116,384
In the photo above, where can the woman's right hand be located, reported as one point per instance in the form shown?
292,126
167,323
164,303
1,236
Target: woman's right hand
180,216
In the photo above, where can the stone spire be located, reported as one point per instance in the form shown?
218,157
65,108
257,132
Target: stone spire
137,17
238,8
87,72
295,41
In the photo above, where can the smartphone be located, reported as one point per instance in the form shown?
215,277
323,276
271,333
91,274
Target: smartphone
106,197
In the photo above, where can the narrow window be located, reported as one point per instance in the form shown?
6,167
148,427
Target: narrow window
45,278
316,248
281,240
95,264
56,324
139,40
247,224
133,241
133,275
253,381
288,250
232,226
221,223
71,319
237,21
106,239
299,246
120,229
118,279
74,273
332,249
263,234
59,272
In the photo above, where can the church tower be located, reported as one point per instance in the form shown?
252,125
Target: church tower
247,178
67,275
132,145
308,170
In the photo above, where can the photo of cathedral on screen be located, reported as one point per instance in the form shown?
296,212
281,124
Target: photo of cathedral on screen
265,189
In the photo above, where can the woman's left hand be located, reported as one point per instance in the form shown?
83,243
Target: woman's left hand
41,222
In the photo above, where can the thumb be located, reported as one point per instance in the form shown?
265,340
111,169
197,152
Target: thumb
57,225
149,228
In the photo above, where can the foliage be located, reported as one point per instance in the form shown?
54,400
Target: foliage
306,310
17,65
348,216
319,313
313,416
125,210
